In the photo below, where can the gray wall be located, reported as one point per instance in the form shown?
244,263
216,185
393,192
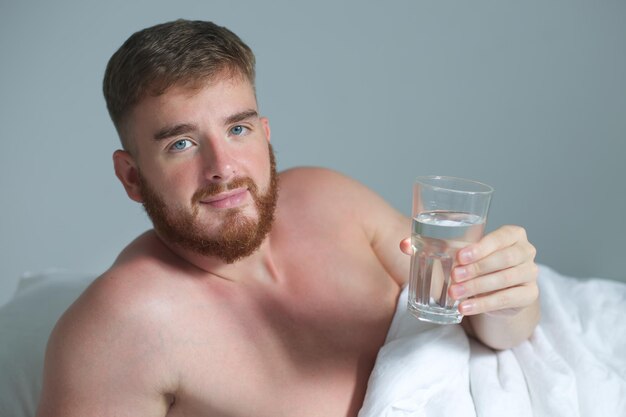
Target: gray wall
527,96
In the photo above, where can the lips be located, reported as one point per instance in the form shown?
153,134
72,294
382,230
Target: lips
228,199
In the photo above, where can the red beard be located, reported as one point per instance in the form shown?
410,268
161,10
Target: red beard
237,238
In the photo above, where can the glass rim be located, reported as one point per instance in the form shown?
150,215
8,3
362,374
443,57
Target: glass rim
423,179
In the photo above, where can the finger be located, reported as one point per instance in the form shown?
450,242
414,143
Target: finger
405,246
508,257
498,239
515,297
506,278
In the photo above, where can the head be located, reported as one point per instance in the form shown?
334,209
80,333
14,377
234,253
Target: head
181,96
182,53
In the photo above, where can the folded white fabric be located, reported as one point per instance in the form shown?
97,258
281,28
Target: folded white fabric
417,369
573,365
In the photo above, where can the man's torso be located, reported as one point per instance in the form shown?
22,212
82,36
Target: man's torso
303,345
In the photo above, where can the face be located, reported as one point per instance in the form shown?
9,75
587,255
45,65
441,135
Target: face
205,171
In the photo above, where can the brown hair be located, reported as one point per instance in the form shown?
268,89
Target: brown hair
179,52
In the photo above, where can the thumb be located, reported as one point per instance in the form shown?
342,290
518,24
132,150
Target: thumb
405,246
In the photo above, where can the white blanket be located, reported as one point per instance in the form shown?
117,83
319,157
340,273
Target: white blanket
573,365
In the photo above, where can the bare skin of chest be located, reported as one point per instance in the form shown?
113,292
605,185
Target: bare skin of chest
304,347
292,329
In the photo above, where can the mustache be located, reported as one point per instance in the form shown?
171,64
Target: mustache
214,189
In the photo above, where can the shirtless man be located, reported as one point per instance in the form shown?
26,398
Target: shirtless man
257,293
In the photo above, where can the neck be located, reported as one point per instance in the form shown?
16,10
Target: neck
259,266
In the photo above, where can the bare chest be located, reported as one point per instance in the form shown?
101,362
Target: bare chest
303,348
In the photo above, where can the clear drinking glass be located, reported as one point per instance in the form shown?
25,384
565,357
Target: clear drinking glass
448,214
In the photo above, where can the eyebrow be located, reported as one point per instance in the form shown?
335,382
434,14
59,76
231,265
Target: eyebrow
175,130
238,117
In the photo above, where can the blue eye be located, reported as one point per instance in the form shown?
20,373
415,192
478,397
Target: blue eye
181,145
238,130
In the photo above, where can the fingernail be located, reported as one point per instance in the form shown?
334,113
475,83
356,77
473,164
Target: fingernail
466,255
457,291
467,307
460,273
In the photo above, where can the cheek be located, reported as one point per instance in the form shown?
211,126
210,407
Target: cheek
262,159
260,174
175,186
181,187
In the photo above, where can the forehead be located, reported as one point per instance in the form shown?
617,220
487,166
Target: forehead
191,102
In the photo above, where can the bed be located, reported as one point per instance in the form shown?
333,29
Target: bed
573,365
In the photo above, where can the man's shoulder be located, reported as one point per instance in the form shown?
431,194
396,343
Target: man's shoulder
120,316
312,175
321,186
130,294
116,302
110,341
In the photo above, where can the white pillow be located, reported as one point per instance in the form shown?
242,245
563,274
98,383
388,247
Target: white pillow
25,325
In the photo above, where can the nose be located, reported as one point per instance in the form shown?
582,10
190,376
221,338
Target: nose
219,166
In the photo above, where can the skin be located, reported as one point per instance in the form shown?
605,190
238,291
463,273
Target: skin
292,329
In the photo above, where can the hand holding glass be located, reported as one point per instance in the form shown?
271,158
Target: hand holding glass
448,214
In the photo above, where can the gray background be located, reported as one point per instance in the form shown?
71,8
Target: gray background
528,96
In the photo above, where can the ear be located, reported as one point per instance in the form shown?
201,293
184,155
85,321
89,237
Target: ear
127,172
266,127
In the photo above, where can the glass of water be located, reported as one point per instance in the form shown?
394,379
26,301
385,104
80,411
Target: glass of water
448,214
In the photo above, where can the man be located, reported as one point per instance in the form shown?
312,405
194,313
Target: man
257,293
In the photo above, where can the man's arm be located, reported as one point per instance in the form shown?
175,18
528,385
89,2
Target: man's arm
495,278
103,359
500,283
496,281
